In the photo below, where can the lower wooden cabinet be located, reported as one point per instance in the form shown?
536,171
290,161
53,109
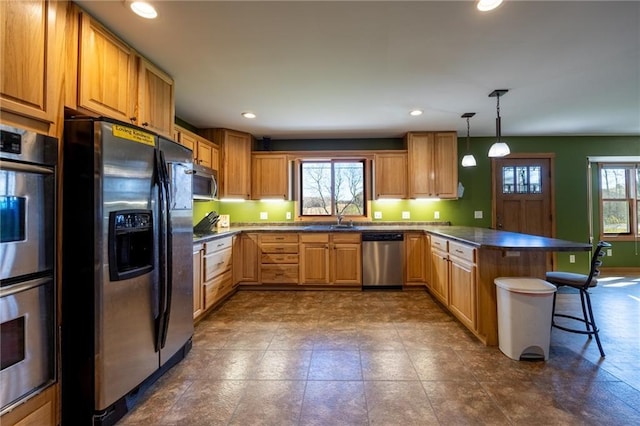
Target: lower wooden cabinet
198,297
462,278
279,258
330,259
454,279
246,255
416,249
217,274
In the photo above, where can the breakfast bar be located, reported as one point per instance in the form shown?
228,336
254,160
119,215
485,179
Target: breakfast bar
497,254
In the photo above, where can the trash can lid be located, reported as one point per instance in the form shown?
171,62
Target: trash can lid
525,285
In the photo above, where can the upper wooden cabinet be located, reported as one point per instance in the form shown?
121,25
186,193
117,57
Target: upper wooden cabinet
235,162
390,169
269,176
432,164
114,81
205,152
156,102
27,46
106,72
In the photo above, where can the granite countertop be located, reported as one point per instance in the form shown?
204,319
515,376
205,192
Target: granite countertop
483,238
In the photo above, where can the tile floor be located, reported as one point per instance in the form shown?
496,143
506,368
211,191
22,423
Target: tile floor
392,358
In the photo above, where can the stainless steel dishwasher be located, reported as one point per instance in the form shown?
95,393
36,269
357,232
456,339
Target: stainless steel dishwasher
382,260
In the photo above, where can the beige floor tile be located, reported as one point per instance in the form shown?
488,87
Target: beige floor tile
398,403
387,365
283,365
335,365
270,402
334,403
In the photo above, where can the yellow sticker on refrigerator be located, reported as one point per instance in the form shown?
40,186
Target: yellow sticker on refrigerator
133,135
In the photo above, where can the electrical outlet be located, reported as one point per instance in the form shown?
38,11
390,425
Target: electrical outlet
477,214
609,252
572,258
377,215
288,215
264,215
406,215
436,215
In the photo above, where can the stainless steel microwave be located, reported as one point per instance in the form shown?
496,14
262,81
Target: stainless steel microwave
205,183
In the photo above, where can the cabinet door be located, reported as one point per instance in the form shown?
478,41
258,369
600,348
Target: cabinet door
314,263
198,297
106,72
156,108
269,177
420,152
236,163
415,259
462,290
190,142
446,165
439,284
346,264
432,164
390,175
26,42
204,153
245,259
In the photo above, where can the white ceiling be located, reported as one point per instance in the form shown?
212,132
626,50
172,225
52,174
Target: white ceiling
351,69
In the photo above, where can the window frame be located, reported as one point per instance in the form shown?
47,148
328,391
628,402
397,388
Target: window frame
631,198
348,156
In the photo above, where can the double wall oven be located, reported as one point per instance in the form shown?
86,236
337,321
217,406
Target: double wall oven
28,167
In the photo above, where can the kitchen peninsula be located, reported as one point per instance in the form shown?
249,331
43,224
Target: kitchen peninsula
461,263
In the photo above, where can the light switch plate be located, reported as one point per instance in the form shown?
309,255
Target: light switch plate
609,252
572,258
406,215
436,215
377,215
264,215
477,214
288,215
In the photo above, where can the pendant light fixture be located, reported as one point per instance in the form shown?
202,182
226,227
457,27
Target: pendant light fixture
468,160
499,148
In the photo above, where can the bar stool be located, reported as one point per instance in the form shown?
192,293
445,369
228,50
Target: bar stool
582,283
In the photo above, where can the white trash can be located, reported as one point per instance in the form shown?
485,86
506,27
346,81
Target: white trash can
525,307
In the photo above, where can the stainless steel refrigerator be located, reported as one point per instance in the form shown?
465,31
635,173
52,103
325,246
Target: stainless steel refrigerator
127,278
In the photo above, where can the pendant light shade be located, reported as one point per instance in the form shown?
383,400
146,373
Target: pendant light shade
499,148
468,160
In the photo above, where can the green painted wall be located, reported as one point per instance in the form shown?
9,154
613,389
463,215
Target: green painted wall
570,184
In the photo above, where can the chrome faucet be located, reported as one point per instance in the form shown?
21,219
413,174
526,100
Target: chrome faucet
340,217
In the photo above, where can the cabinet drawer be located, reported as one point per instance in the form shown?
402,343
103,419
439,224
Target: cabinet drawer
346,237
439,243
314,237
217,288
462,251
216,263
221,244
279,238
279,274
279,248
279,258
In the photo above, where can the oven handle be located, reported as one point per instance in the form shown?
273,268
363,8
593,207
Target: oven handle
21,167
27,285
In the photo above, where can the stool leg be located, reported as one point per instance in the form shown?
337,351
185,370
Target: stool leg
584,311
593,324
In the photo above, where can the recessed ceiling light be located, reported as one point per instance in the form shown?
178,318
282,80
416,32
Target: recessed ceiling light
144,9
486,5
248,115
416,112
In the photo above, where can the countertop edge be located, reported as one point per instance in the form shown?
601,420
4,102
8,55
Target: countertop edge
482,238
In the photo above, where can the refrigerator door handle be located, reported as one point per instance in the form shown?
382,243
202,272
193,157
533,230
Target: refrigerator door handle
162,250
168,244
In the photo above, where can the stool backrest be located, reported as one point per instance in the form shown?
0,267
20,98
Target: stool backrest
596,261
